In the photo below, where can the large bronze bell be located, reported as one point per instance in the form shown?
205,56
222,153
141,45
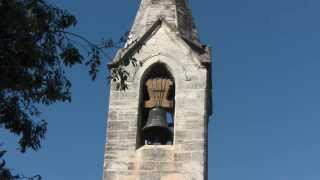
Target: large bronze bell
156,130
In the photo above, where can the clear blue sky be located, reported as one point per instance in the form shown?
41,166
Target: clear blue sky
266,100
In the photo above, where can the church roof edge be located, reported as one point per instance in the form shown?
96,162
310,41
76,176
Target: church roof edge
125,53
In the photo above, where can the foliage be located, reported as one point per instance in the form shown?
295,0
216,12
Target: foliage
6,174
35,52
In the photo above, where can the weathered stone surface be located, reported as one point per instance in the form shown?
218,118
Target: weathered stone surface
120,146
176,12
155,154
149,166
189,134
113,116
128,116
119,125
114,165
122,136
110,175
170,167
190,146
130,177
182,157
174,177
149,176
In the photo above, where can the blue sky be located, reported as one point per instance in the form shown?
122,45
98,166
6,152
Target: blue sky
266,98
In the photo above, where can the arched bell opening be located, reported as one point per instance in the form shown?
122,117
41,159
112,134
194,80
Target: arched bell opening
156,108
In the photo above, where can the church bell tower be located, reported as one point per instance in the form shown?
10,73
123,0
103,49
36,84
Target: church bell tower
157,128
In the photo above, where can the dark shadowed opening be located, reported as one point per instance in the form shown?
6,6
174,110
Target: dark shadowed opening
156,71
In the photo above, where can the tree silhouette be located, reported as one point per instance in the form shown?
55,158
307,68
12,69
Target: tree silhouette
35,51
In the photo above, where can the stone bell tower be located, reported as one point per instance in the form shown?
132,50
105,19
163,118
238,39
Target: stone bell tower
157,128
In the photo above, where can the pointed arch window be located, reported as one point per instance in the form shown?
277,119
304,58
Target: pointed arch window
156,110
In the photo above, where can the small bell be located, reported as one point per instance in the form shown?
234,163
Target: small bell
156,130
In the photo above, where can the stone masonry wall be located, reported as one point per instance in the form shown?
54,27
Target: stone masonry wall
186,159
176,12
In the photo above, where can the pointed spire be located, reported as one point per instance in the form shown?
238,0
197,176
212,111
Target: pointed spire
175,12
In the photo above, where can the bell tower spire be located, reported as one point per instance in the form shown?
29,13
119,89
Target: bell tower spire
176,12
158,128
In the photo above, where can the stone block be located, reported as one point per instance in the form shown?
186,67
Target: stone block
155,154
188,146
182,157
187,135
122,136
174,177
198,156
188,125
128,116
149,176
110,175
122,103
118,125
112,116
128,95
114,146
116,165
170,167
149,166
189,115
127,177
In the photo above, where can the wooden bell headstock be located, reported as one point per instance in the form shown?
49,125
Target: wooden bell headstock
158,90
